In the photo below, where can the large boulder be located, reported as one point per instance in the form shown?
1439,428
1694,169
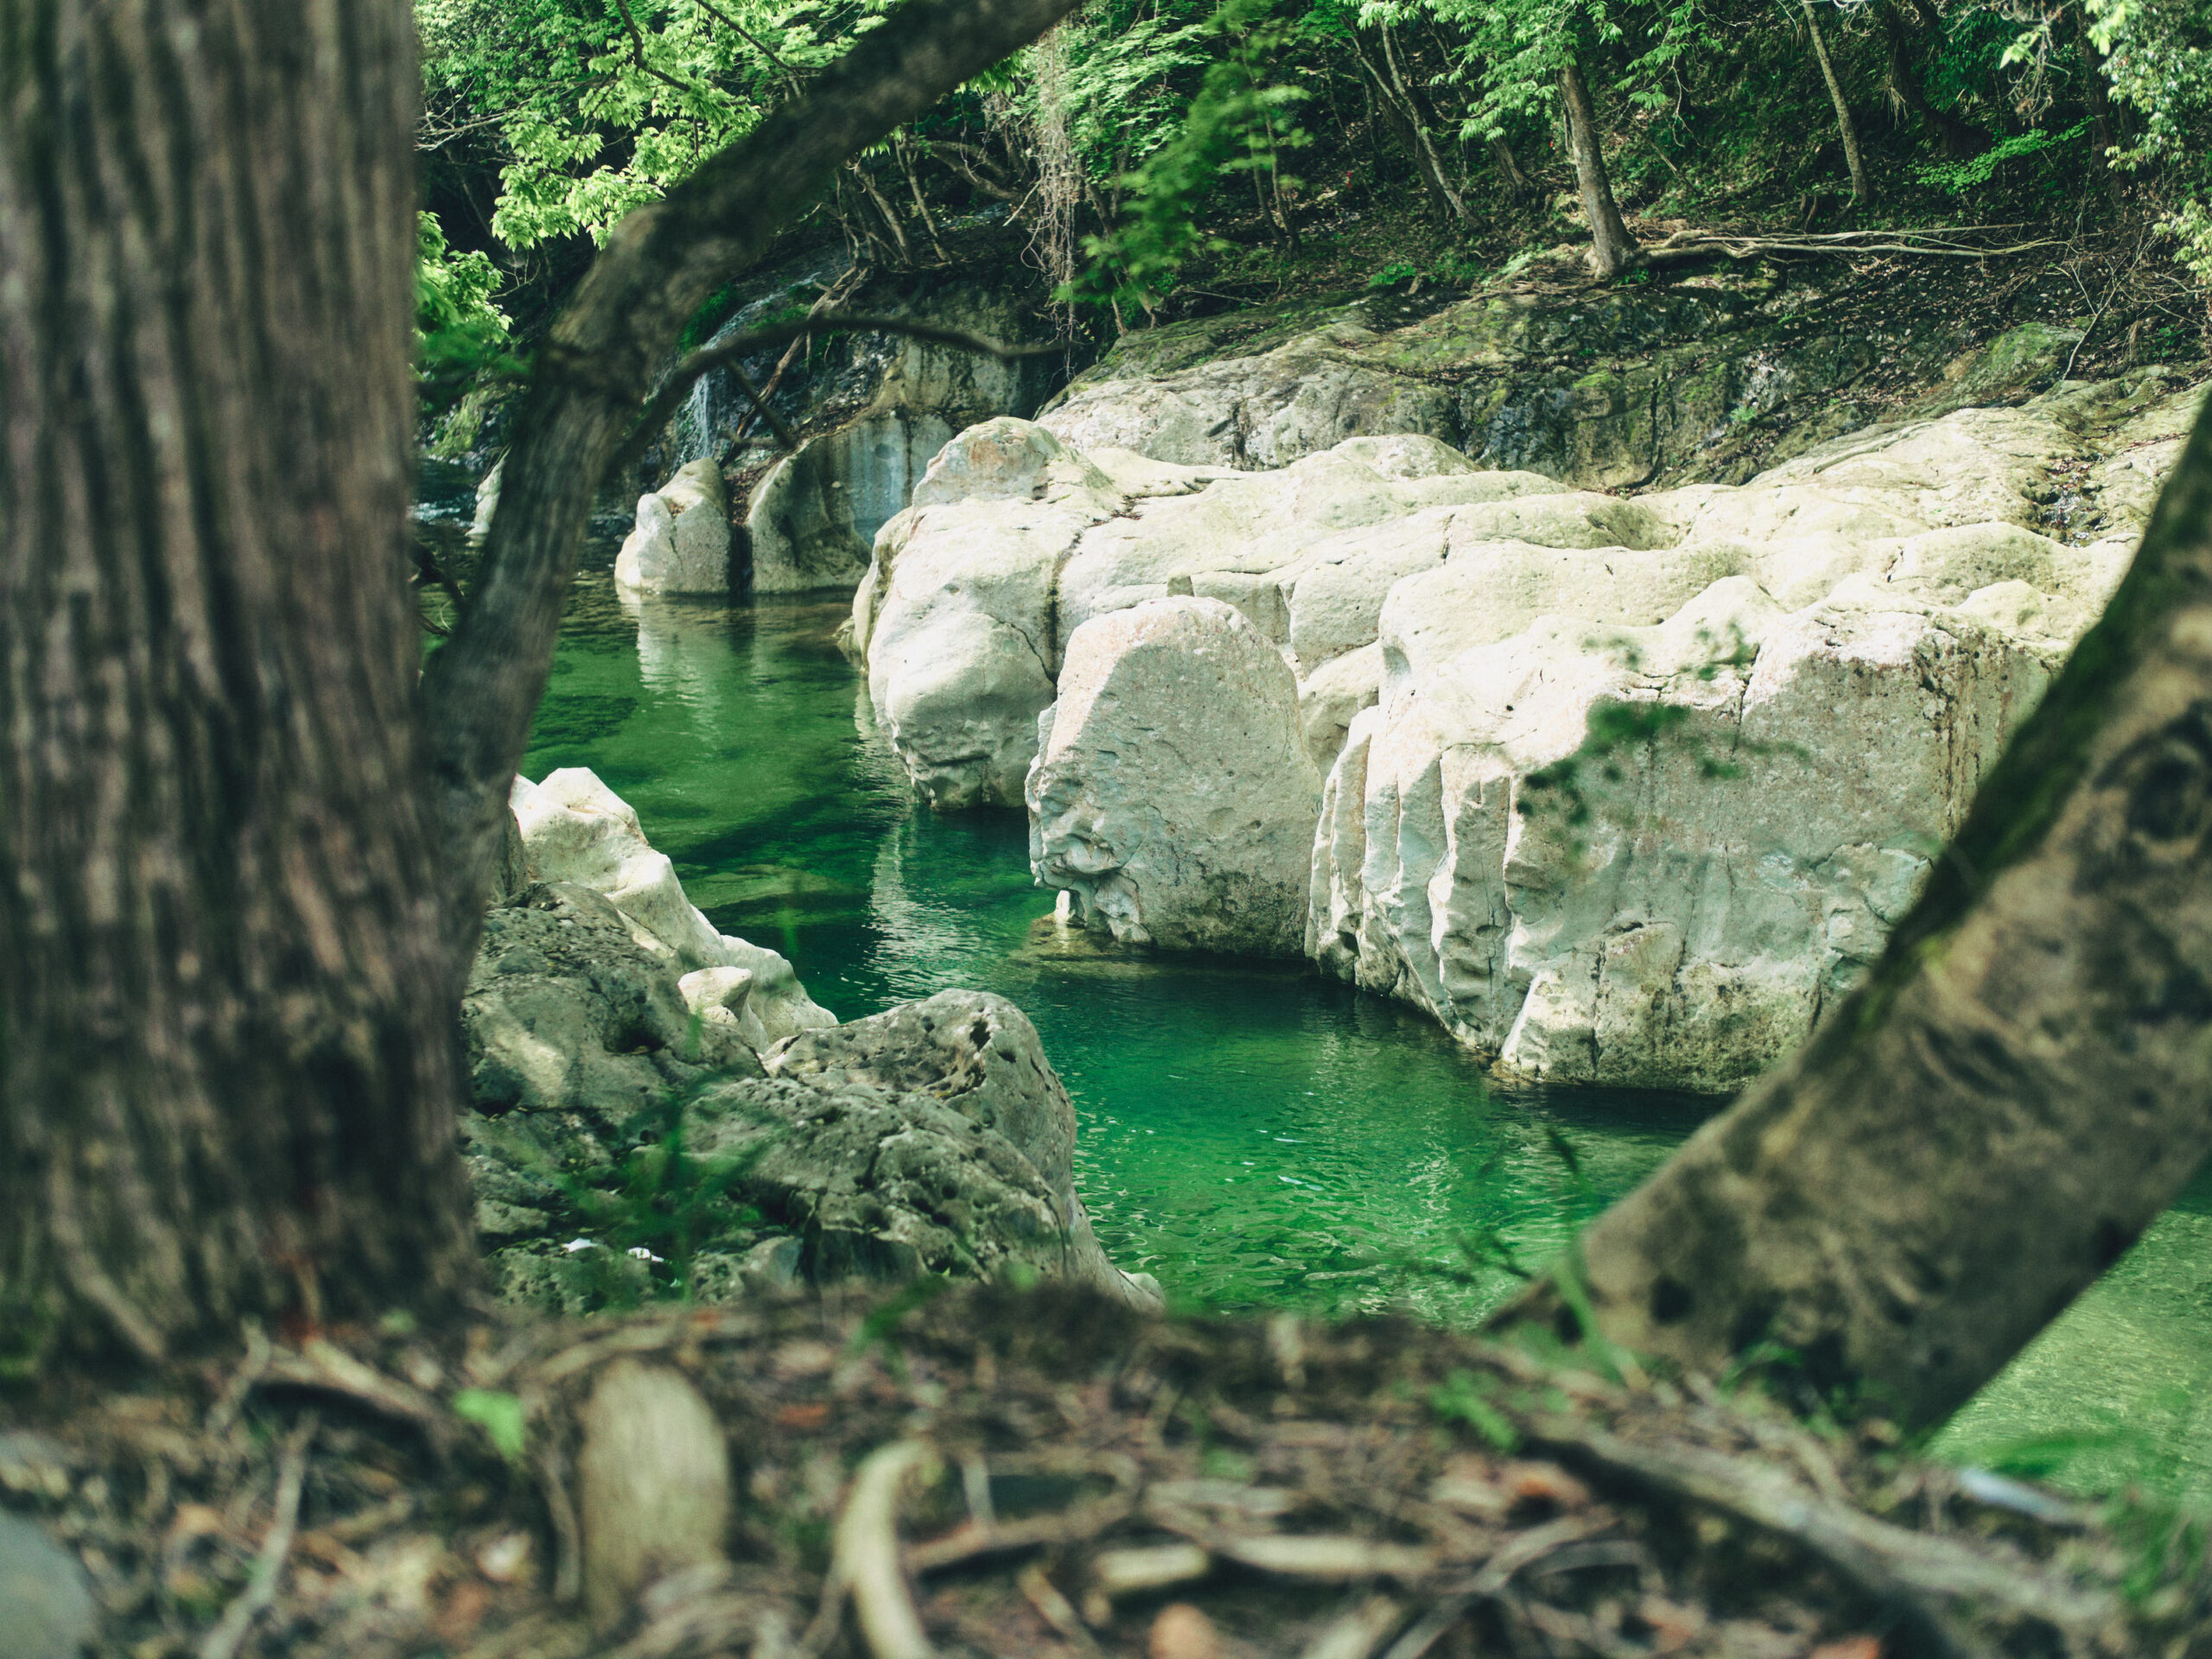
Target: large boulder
1172,794
979,1055
1014,541
569,1010
681,543
1621,790
813,518
934,1138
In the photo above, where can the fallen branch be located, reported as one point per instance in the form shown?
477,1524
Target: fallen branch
1685,245
1910,1572
864,1561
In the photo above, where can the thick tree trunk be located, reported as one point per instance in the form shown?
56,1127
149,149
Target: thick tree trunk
228,1062
1862,188
2021,1085
1613,250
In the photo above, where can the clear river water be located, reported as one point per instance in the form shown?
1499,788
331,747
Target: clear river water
1254,1135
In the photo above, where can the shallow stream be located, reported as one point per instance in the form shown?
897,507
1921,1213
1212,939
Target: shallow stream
1253,1135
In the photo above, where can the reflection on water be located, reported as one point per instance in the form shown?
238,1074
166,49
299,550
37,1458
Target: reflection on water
1250,1134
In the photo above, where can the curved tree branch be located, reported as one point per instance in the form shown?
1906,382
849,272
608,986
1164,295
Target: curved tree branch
601,360
727,355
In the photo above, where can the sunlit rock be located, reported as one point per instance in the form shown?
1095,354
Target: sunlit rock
1621,790
681,543
574,829
1172,792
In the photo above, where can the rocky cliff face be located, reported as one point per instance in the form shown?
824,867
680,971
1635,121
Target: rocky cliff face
1603,388
1621,790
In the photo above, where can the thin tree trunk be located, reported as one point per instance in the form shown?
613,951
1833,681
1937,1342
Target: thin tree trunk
2104,131
228,1061
1405,121
885,211
1958,139
1509,169
2022,1084
1613,250
1862,188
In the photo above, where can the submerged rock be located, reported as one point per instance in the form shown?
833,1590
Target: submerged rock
1172,794
681,544
1621,791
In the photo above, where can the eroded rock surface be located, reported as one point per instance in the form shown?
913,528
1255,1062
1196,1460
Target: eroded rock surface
609,1028
577,829
1172,794
681,543
1622,790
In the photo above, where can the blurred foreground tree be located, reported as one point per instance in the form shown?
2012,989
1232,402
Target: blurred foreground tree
243,849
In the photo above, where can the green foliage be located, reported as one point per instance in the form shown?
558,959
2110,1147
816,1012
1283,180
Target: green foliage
667,1202
2159,61
661,1205
1965,178
500,1414
1239,122
1463,1397
595,120
461,339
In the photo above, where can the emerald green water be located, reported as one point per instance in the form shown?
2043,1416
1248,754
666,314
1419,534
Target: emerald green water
1253,1136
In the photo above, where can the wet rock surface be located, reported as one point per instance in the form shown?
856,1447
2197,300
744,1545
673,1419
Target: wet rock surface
681,541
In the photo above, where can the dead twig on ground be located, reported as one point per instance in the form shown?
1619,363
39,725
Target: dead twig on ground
229,1630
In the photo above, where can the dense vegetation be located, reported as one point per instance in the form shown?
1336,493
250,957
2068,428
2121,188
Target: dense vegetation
1159,156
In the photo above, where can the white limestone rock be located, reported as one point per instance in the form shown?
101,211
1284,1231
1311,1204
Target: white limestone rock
681,544
1804,675
1014,541
1172,792
574,829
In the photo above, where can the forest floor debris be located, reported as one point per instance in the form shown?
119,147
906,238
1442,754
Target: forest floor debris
987,1471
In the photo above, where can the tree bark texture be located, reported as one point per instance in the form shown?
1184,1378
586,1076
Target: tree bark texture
1862,188
2022,1084
1613,250
599,362
228,1060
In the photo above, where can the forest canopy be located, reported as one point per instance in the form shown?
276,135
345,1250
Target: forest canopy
1149,145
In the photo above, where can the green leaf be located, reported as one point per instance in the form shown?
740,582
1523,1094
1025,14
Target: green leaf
500,1415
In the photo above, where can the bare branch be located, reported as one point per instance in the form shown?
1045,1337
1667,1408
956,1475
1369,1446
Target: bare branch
686,373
